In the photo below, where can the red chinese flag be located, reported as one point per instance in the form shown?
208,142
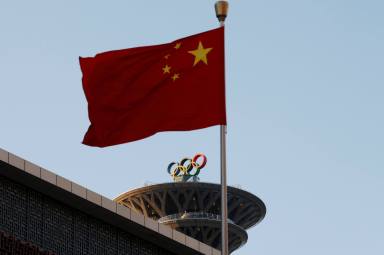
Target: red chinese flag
135,93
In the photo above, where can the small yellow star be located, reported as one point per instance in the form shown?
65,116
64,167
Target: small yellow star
175,76
200,54
177,46
166,69
167,56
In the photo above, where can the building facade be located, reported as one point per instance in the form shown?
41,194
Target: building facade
43,213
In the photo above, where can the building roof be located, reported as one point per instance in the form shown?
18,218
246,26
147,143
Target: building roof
94,204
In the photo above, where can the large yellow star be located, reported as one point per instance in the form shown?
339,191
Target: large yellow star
200,54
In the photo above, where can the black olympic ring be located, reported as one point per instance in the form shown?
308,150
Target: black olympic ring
187,166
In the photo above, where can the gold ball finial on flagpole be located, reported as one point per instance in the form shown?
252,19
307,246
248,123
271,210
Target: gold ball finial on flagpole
221,8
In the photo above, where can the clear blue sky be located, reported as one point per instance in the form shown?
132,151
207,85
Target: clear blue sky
305,93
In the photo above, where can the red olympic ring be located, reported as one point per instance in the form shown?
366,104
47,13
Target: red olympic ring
196,158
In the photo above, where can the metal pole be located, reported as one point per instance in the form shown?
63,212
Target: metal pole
224,206
221,8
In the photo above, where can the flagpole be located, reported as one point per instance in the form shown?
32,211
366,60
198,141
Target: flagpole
221,8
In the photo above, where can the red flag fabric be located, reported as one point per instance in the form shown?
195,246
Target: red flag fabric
137,92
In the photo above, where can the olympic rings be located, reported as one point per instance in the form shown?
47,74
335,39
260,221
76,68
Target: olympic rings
187,167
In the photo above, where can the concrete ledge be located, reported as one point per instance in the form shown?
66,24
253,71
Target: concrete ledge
137,217
108,204
16,161
205,249
93,197
64,183
48,176
166,231
32,169
123,211
178,236
79,190
4,155
151,224
191,242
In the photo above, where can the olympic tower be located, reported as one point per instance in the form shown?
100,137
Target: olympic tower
193,207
